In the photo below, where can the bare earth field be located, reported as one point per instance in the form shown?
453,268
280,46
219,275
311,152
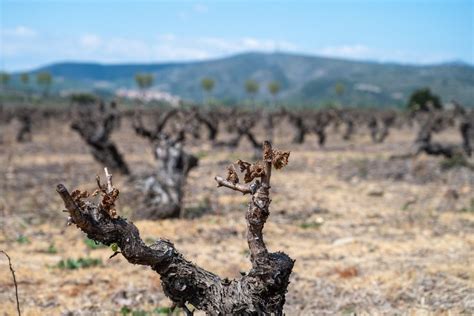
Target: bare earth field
369,235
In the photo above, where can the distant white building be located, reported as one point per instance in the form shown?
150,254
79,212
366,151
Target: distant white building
148,95
367,87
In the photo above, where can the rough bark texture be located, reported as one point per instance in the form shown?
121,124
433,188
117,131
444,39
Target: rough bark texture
261,291
388,120
162,192
211,121
423,143
321,122
350,128
301,130
24,133
3,121
466,129
380,124
95,127
269,118
434,122
242,126
373,128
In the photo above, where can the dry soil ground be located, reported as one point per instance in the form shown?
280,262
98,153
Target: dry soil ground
369,235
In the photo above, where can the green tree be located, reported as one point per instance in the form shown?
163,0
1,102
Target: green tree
339,89
144,80
25,79
4,79
207,84
44,79
83,98
252,87
424,100
274,89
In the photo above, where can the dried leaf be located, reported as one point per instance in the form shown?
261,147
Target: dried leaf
280,158
232,175
254,171
244,166
78,195
108,202
267,152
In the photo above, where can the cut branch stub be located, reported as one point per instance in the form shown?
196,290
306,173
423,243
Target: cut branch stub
261,291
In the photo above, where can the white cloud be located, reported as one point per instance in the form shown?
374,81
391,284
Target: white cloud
266,44
90,41
165,47
218,43
127,48
183,15
24,48
225,46
14,41
170,52
167,37
196,9
200,8
357,51
20,31
363,52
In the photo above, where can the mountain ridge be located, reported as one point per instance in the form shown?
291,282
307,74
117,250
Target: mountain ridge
458,62
303,78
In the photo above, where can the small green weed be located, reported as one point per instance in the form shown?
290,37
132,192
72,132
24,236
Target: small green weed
469,208
456,161
74,264
311,224
22,240
125,311
92,244
52,249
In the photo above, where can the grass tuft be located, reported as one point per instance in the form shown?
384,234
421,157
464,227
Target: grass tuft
92,244
23,240
74,264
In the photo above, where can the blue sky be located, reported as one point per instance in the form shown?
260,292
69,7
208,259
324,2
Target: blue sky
35,33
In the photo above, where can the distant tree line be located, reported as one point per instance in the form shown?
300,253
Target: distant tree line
43,79
422,99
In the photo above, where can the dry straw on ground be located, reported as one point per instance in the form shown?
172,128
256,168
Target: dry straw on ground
362,243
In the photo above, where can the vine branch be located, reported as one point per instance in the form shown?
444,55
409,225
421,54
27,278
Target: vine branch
14,281
261,291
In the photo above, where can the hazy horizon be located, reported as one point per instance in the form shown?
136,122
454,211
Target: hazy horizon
38,33
223,57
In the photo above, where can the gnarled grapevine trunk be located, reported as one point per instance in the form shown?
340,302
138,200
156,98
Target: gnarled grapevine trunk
162,191
297,120
388,120
24,133
261,291
269,118
350,128
321,122
373,126
95,127
211,121
430,123
434,123
379,125
242,127
466,129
